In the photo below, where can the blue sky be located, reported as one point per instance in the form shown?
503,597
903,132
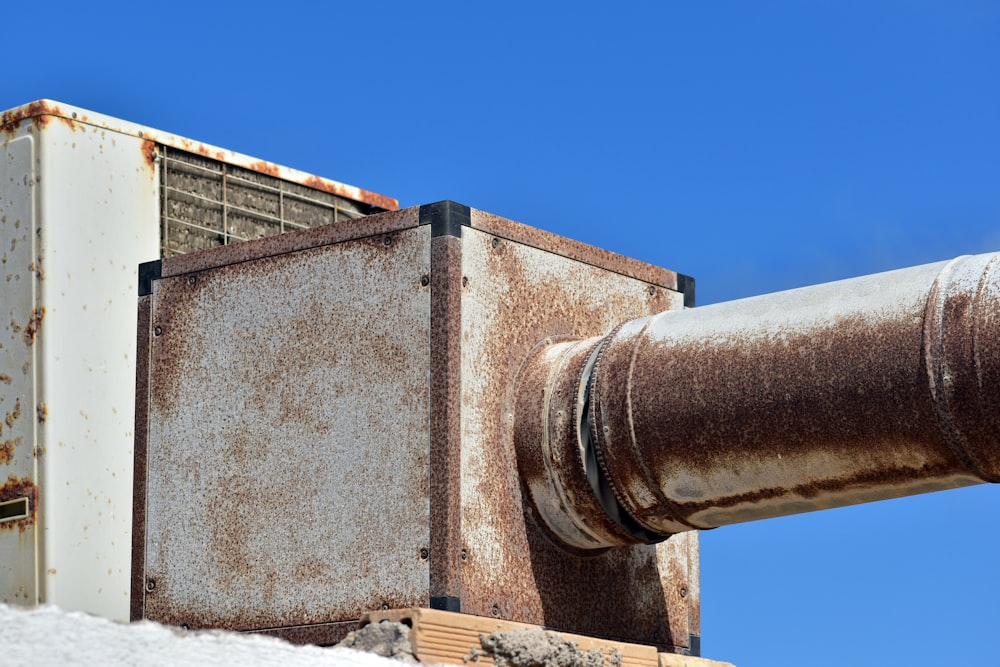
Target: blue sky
754,146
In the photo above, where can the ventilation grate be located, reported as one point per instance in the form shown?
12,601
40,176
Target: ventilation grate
206,203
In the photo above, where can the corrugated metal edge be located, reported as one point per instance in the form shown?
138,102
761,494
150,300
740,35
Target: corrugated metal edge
280,244
604,259
70,115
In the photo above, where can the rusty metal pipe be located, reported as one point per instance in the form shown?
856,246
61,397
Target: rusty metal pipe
849,392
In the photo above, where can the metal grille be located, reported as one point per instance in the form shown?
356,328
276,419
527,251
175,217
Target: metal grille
206,203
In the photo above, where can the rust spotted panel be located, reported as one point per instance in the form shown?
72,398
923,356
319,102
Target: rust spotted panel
514,296
288,438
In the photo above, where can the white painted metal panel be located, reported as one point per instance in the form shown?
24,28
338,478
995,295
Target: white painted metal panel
18,478
99,201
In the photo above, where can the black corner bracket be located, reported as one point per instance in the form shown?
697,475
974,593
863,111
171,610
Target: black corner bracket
694,643
685,285
148,272
446,218
446,603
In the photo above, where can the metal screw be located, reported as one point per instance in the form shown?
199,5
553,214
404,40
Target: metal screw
185,626
387,241
684,591
495,242
157,331
465,555
150,585
425,280
495,610
424,554
192,280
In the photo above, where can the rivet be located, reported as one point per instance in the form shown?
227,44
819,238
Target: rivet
465,281
157,331
652,290
150,585
495,242
606,429
495,610
684,591
465,555
192,280
387,241
425,280
424,554
385,605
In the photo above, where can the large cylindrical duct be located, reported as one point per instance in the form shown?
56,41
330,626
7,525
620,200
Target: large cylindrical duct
843,393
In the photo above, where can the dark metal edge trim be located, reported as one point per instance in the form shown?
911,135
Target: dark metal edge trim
148,272
446,603
694,645
685,284
446,218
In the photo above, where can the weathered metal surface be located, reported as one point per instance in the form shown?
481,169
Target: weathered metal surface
657,278
288,445
19,531
515,296
860,390
87,213
445,282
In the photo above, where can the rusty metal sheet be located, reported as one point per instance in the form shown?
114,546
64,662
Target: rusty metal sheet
864,389
515,295
288,446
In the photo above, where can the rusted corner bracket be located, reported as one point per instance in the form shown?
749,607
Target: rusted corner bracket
148,272
446,218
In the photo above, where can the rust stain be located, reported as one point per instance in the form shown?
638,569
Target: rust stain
12,416
34,325
371,198
264,167
149,153
7,451
6,379
13,489
40,113
42,412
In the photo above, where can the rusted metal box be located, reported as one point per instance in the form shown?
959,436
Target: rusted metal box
324,427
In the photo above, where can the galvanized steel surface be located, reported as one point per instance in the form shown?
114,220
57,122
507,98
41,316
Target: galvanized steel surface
288,442
849,392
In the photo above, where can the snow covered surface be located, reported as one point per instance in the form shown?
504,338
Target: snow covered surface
50,636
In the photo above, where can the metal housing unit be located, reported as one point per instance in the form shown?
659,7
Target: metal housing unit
325,426
84,199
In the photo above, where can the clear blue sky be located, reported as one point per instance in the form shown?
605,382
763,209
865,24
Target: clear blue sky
755,146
